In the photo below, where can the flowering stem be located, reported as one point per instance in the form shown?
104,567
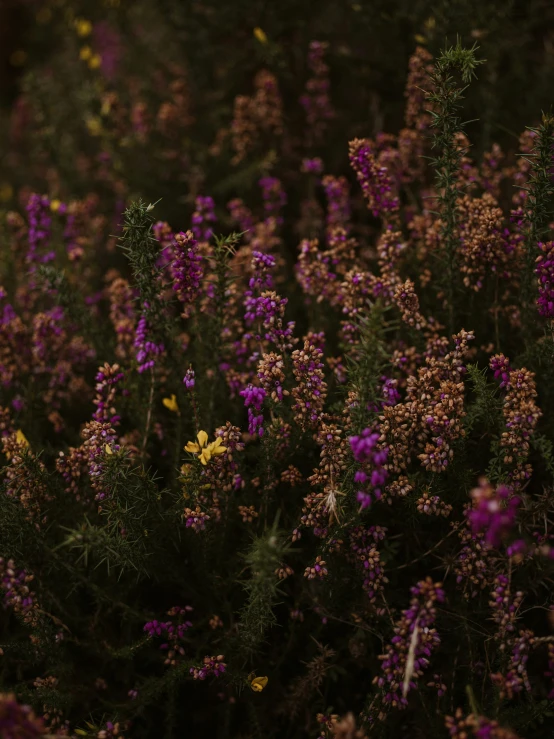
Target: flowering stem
538,211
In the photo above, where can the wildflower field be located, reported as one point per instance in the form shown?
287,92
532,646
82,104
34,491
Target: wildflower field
276,369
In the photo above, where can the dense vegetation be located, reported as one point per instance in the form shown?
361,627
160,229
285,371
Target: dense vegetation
276,370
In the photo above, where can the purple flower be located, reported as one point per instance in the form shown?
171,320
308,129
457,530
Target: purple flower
187,270
202,217
373,473
373,178
253,400
545,273
211,666
274,197
337,192
40,220
413,632
363,445
500,365
494,511
189,379
312,166
17,720
146,350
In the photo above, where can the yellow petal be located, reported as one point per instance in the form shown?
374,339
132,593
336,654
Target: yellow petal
192,447
55,205
259,683
95,61
216,448
85,53
171,403
84,28
20,438
202,438
94,126
108,449
260,35
205,456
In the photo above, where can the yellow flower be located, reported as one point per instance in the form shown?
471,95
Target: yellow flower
260,35
108,449
83,27
171,404
204,450
259,683
85,53
55,205
20,438
94,126
420,39
95,61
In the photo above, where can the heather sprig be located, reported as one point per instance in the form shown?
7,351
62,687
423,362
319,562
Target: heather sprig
537,207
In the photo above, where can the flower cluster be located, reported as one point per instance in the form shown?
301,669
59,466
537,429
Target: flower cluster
311,389
521,415
203,217
253,400
274,198
494,511
16,592
373,178
107,378
315,100
146,349
210,666
363,547
187,270
372,473
171,633
40,221
412,645
18,720
545,273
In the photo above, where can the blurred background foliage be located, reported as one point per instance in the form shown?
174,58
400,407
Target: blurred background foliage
60,105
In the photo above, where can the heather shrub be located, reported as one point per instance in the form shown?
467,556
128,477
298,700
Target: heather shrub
276,455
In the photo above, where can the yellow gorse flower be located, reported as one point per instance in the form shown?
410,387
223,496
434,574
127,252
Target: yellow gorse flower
55,205
83,27
85,53
259,683
21,438
108,449
260,35
94,126
95,61
204,450
171,403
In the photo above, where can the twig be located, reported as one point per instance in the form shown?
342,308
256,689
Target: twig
429,551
